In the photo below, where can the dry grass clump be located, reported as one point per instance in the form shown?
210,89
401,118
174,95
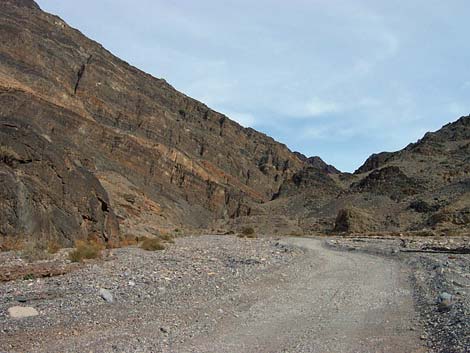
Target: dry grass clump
30,250
35,251
85,250
125,241
53,247
166,238
11,244
151,244
296,233
7,155
247,232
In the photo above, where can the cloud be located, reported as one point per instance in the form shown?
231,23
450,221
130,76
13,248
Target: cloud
318,107
329,132
304,109
369,102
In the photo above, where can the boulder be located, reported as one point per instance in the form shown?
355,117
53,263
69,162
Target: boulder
20,312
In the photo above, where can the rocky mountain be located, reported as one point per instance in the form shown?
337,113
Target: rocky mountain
423,188
93,147
88,139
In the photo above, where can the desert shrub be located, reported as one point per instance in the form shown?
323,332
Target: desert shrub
11,244
151,244
246,231
166,238
7,155
53,247
28,277
85,250
121,242
35,251
128,241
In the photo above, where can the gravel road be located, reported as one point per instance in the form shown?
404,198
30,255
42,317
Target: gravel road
221,294
329,302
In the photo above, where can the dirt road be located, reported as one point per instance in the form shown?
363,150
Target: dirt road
331,302
322,301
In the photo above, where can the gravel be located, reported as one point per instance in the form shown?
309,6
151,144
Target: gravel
138,301
441,284
163,289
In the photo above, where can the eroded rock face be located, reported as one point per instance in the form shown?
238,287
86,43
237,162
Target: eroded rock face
376,160
389,181
186,164
353,220
425,186
44,194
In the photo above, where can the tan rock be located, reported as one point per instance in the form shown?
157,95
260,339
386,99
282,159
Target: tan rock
19,312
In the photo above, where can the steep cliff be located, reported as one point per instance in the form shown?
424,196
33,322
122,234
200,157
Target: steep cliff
164,159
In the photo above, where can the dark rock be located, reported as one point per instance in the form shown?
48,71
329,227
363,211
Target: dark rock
353,220
375,161
423,207
44,193
104,119
390,181
318,163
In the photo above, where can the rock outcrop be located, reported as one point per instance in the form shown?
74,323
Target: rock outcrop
353,220
102,119
44,193
93,147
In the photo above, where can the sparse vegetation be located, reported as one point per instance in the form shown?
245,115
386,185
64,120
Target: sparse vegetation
85,250
247,232
166,238
151,244
7,155
28,277
11,244
124,241
53,247
35,251
128,241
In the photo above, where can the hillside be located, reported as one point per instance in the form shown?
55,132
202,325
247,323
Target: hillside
71,108
424,187
93,147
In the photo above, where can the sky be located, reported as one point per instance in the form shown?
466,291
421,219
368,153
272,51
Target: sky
340,79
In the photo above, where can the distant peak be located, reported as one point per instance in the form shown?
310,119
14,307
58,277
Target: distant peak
31,4
319,163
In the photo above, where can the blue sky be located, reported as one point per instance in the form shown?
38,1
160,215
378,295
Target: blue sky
340,79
